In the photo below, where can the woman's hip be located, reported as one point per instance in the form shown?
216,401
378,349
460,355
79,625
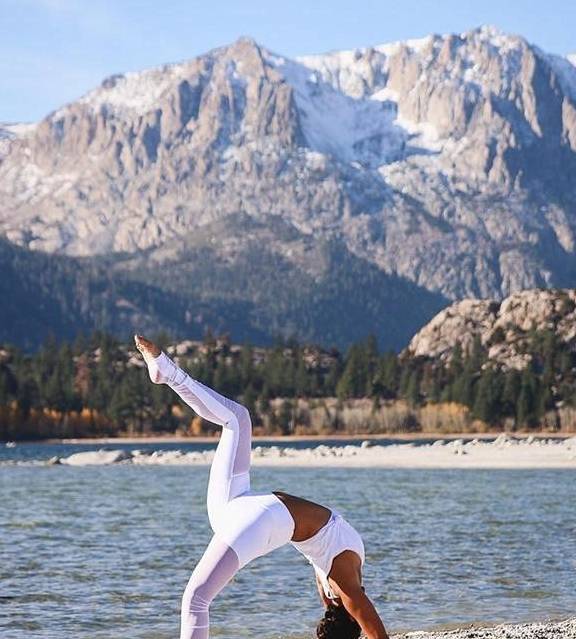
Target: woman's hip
254,525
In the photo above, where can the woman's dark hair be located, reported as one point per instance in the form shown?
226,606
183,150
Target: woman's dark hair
337,624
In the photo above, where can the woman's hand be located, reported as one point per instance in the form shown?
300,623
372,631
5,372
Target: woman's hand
321,592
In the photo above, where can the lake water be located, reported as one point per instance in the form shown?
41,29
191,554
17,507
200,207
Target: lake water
105,552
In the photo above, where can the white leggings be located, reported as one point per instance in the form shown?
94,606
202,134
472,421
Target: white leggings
246,525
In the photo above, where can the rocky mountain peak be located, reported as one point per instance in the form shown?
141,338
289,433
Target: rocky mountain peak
447,161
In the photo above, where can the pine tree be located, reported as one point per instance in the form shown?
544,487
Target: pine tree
352,378
286,416
8,385
388,376
477,356
526,413
456,361
428,383
462,389
301,381
249,400
486,401
264,402
413,389
370,365
511,392
332,378
246,365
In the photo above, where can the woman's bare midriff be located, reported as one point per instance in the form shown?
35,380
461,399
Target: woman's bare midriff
308,517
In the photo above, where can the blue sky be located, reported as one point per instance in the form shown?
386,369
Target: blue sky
52,51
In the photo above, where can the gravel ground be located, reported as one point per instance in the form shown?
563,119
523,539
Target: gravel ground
548,630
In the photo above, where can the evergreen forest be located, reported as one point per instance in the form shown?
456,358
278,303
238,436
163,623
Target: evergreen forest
97,386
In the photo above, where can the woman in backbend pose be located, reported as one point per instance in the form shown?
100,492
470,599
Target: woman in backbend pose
247,525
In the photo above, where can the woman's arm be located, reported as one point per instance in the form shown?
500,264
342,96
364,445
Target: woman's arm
346,577
362,609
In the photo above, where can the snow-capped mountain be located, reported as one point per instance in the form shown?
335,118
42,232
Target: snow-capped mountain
449,161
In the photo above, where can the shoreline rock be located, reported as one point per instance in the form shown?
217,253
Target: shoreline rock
503,452
95,458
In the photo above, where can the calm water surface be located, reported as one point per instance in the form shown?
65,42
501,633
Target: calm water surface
105,552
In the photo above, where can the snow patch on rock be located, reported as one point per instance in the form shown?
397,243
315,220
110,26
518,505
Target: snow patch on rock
565,69
352,130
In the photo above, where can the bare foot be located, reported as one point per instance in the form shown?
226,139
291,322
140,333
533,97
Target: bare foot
161,369
148,349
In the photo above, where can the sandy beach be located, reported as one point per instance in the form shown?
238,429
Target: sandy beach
545,630
504,452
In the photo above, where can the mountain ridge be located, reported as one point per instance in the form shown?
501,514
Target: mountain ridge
446,162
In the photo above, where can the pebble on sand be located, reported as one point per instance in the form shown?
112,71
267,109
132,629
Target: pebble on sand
547,630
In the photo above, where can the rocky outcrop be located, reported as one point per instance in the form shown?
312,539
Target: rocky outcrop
504,328
448,161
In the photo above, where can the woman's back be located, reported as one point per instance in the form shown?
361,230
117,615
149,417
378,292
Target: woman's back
308,516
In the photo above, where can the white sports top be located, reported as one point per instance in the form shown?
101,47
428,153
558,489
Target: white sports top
336,536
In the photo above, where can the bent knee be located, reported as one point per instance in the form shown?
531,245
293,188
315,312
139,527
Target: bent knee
242,416
196,598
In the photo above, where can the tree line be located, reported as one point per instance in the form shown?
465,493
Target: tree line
97,386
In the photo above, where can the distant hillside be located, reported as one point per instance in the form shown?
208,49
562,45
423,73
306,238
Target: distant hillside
45,295
258,298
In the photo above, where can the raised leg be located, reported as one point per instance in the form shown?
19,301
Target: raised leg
217,566
230,471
